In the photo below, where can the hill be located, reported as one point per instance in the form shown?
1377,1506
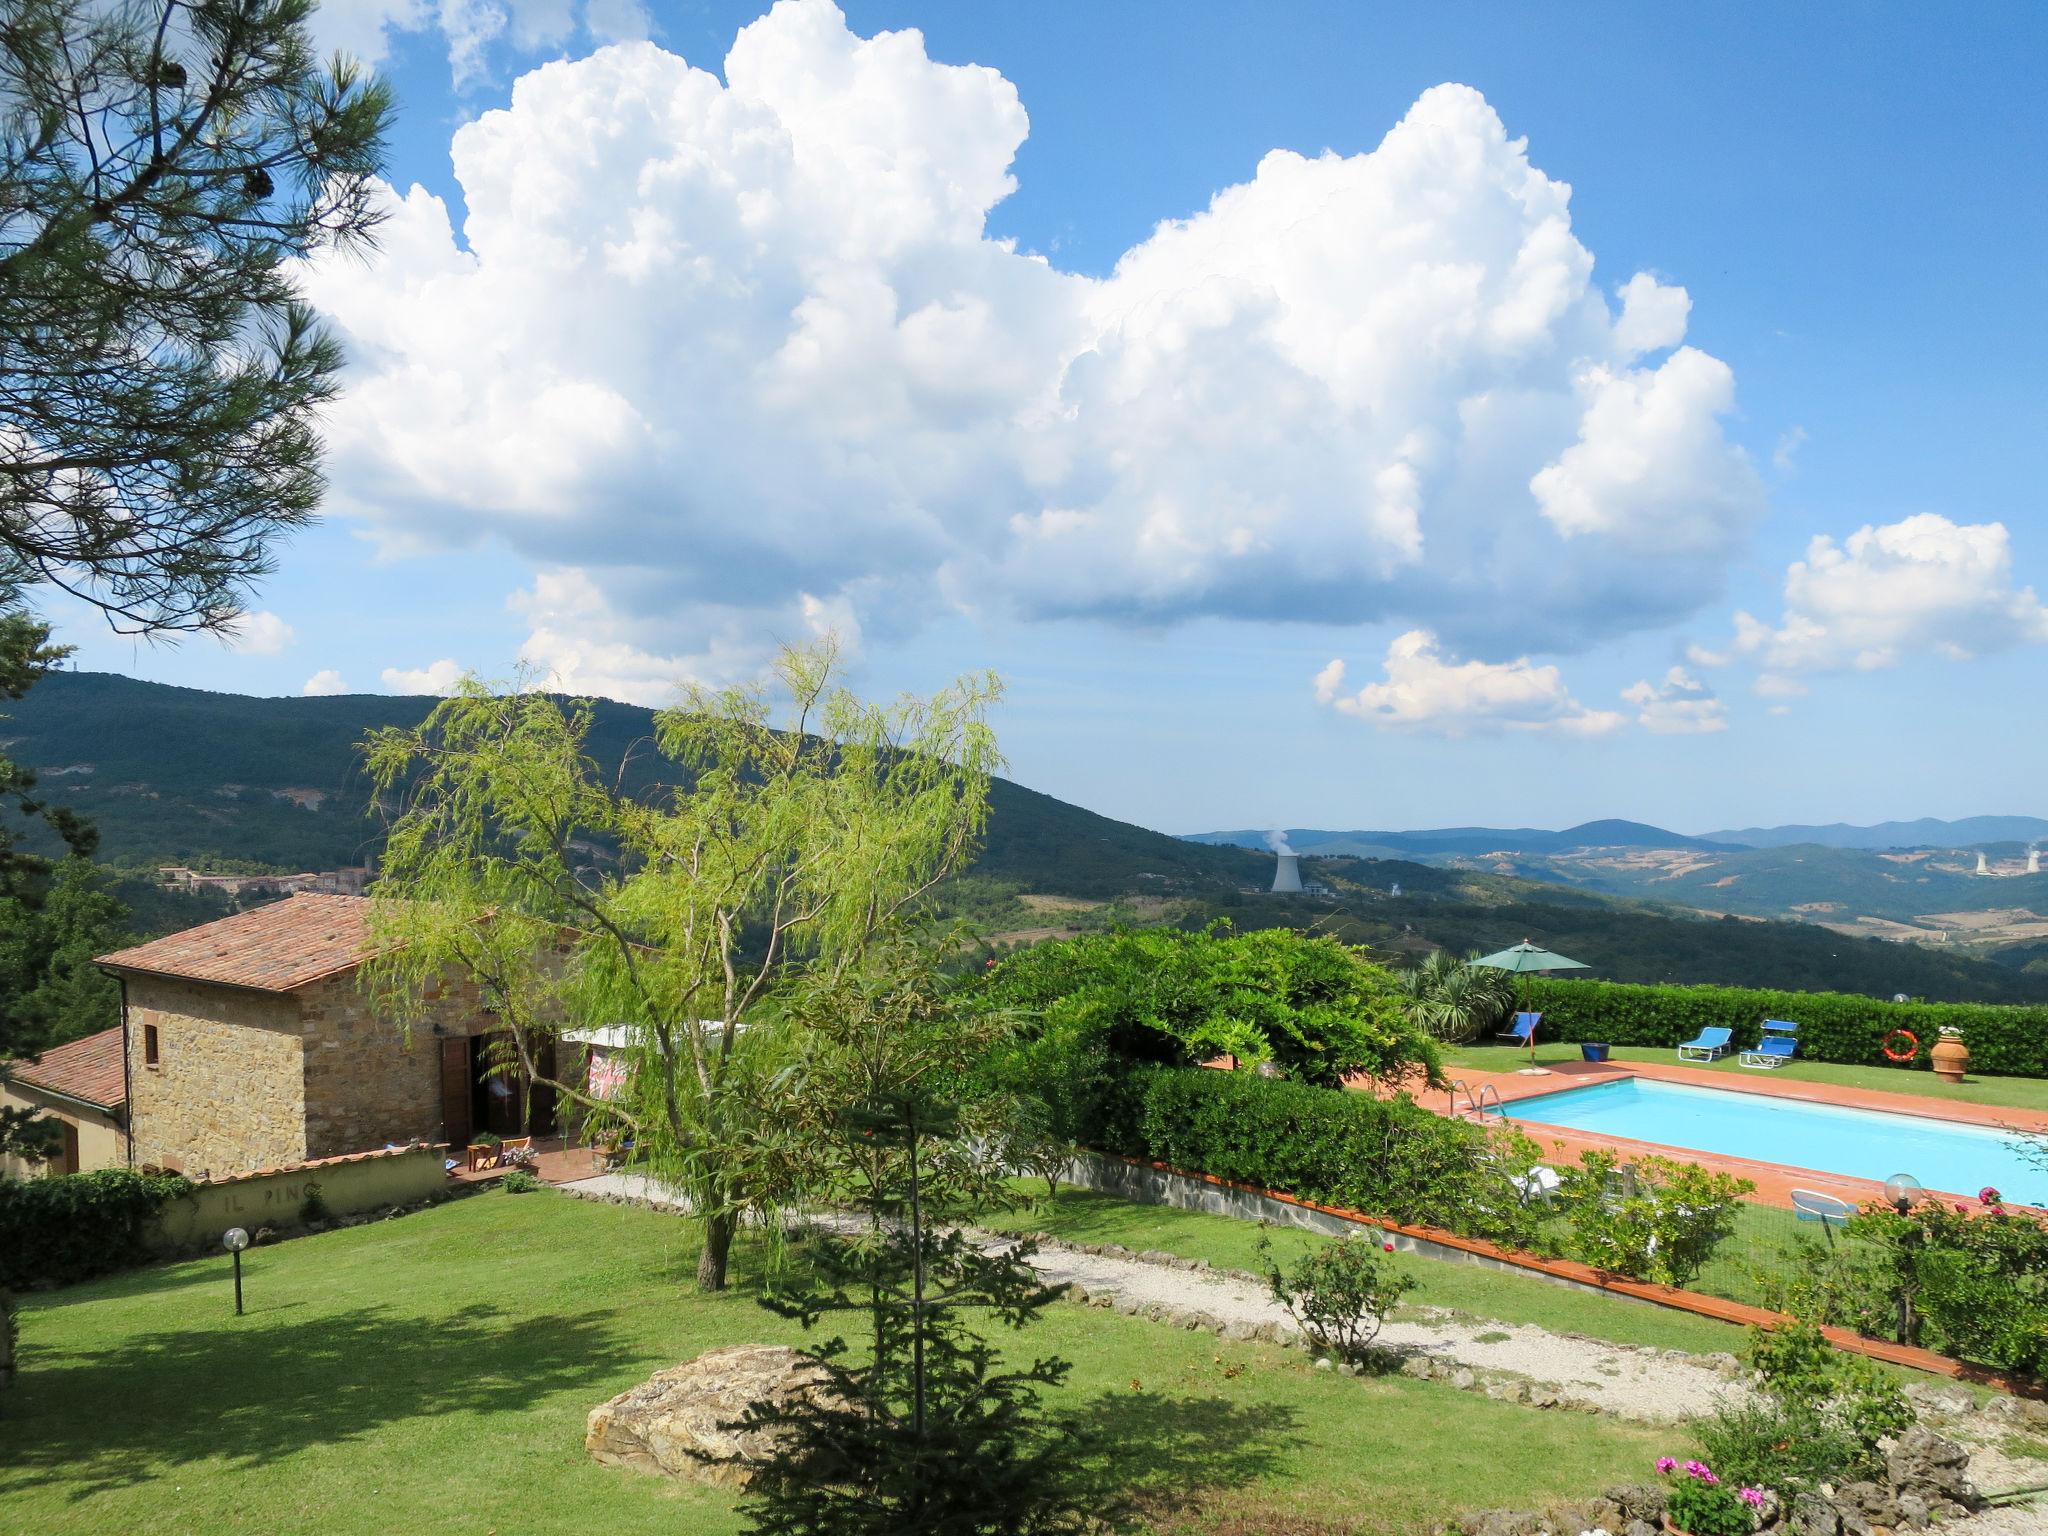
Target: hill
181,775
1926,832
1463,840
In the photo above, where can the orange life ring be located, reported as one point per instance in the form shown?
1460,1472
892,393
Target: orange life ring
1912,1045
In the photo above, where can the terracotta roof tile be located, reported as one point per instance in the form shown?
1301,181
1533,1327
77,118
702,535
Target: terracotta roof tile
275,948
88,1069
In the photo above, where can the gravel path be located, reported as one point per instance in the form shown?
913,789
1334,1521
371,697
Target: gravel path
1647,1385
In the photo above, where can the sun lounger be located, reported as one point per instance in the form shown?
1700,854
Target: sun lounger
1707,1045
1778,1044
1523,1031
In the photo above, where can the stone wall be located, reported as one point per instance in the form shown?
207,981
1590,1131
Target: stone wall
228,1093
276,1199
370,1081
250,1080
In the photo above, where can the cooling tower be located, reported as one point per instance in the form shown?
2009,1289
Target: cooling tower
1982,867
2033,861
1287,874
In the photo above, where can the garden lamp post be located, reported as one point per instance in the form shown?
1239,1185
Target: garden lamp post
235,1240
1902,1189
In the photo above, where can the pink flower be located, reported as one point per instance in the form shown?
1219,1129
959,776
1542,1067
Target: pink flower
1753,1497
1961,1208
1988,1195
1388,1246
1700,1470
1666,1463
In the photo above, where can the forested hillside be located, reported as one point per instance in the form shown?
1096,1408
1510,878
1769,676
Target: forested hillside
177,775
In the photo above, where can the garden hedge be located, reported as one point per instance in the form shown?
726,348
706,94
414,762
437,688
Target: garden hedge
1384,1157
2004,1040
73,1226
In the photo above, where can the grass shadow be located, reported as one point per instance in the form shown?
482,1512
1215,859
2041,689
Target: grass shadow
1157,1457
259,1388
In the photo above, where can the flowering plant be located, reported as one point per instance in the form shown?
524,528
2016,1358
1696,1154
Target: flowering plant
1951,1031
1700,1504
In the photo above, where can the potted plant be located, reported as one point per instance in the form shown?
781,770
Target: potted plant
1700,1504
1951,1055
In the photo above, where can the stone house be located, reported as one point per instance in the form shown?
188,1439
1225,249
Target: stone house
80,1085
250,1044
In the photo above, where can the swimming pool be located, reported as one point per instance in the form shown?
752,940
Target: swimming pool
1860,1143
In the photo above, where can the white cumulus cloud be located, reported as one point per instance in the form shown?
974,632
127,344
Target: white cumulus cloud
1679,705
259,634
438,677
1922,586
324,684
1426,691
725,346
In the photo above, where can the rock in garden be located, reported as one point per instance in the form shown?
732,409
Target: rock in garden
686,1421
1927,1464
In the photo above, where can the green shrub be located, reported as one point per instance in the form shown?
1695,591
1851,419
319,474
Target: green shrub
1702,1504
519,1182
1312,1007
1657,1220
1338,1293
1385,1157
1833,1026
1835,1284
1818,1414
1979,1284
70,1227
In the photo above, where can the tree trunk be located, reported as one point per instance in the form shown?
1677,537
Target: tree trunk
718,1230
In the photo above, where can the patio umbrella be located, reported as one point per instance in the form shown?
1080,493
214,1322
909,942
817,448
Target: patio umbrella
1524,958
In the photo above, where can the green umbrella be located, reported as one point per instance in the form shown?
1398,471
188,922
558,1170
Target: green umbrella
1526,957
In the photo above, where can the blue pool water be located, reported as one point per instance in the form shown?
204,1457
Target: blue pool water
1862,1143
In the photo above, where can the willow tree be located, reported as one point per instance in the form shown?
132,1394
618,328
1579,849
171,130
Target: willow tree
778,834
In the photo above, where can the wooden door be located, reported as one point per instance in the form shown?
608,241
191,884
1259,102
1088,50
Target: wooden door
70,1147
456,1088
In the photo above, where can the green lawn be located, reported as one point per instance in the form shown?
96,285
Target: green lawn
1082,1216
2005,1092
433,1374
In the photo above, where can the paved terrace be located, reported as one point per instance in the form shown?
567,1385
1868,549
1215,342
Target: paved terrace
1774,1181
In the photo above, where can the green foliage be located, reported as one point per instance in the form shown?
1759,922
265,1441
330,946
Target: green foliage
1315,1009
2006,1041
49,932
778,849
1818,1414
162,167
70,1227
1452,1000
1701,1504
1339,1293
1978,1283
1388,1158
1834,1284
927,1433
1655,1219
518,1181
314,1207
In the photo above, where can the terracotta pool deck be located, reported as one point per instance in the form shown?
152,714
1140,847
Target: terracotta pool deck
1774,1181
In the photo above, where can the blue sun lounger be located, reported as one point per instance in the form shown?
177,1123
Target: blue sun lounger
1523,1031
1707,1045
1780,1039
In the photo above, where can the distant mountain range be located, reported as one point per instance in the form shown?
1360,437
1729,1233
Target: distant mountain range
179,775
1589,834
1927,832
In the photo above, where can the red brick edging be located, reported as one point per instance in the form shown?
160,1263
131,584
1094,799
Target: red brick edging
1642,1290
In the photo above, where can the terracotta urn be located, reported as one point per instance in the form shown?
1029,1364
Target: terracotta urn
1951,1057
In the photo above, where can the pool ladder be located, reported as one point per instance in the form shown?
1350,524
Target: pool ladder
1475,1105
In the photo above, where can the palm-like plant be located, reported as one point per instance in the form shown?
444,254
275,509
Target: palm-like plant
1454,1000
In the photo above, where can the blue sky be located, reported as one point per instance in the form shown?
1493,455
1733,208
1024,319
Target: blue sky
721,366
